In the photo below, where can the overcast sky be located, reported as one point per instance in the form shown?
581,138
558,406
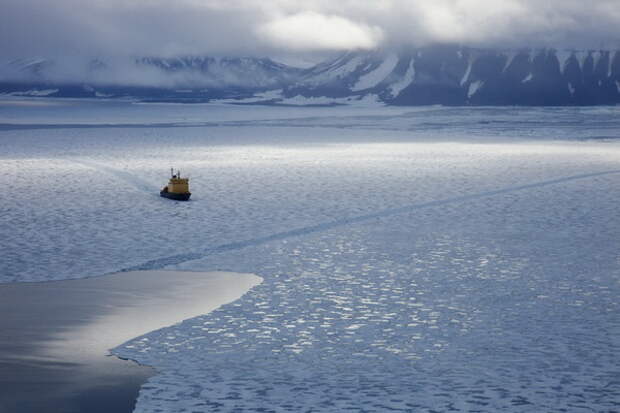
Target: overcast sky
276,27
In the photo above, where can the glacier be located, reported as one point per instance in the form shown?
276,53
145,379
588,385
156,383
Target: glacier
426,259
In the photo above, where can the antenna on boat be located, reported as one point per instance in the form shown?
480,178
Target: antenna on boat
171,172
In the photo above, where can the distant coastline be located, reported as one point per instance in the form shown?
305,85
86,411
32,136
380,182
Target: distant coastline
446,74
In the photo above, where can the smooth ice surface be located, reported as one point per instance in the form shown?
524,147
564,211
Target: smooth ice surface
55,337
427,259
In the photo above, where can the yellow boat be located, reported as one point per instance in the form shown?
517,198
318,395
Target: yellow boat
177,188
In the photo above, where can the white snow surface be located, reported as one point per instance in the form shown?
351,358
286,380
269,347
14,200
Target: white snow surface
371,100
563,57
405,81
581,56
528,78
510,56
375,77
277,97
474,87
416,259
270,95
465,77
337,71
32,92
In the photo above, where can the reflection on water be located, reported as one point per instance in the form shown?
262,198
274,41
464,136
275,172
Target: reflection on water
56,336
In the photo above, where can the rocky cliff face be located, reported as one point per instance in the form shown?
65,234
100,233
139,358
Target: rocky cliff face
445,75
459,76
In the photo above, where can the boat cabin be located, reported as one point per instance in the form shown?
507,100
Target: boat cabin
177,188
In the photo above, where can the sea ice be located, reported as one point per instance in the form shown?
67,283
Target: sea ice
419,259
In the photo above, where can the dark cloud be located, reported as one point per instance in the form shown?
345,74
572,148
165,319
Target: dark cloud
258,27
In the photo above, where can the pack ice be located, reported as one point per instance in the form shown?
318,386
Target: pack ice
422,260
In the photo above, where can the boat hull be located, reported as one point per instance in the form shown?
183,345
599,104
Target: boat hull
174,196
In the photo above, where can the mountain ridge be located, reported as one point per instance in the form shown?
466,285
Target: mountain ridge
447,75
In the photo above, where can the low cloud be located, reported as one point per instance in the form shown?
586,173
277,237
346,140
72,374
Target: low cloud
311,31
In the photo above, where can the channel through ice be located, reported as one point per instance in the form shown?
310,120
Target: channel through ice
425,260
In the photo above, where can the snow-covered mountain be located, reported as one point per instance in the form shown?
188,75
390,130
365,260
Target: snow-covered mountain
184,78
461,76
448,75
258,73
